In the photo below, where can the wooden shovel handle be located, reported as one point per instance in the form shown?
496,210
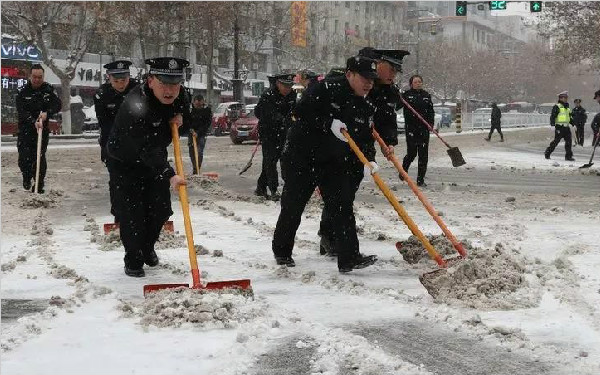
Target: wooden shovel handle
428,206
189,234
196,153
394,202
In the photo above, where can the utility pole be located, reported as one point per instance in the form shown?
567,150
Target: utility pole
238,93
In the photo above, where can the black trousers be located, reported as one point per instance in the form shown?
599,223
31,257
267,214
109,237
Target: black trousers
271,152
27,148
301,175
417,143
580,133
498,128
143,205
561,132
326,226
201,143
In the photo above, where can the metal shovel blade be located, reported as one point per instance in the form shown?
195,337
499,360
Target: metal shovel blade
586,165
243,285
456,157
428,279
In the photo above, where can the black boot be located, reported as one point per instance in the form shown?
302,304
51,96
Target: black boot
285,261
360,261
421,182
135,272
26,183
326,247
151,259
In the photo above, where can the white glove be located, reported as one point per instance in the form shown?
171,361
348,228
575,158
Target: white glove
367,172
336,128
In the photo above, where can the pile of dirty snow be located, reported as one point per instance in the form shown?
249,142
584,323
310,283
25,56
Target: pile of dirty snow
214,309
413,251
48,200
112,240
485,280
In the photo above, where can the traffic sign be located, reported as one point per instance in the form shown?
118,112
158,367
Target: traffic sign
535,6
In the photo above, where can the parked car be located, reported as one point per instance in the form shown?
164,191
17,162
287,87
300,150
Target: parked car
246,127
545,108
446,116
522,107
224,116
401,126
91,122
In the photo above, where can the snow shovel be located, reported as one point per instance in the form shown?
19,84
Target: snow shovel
250,161
596,141
394,202
108,227
209,175
243,284
38,158
453,152
428,206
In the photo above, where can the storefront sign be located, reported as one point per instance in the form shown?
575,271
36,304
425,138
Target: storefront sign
19,51
12,83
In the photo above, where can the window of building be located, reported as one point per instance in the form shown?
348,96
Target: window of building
356,30
336,26
367,32
347,4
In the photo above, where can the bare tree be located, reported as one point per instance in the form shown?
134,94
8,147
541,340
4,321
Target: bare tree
33,22
574,26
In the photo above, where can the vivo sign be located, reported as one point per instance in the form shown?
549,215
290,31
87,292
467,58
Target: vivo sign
19,51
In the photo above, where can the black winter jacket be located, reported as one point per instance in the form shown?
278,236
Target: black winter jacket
420,100
141,133
386,99
274,115
106,103
30,102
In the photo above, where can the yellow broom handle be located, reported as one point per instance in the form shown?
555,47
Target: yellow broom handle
428,206
394,202
185,207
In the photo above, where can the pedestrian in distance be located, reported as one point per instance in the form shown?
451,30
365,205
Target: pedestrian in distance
496,123
316,154
137,154
107,101
560,119
417,134
201,118
274,112
579,119
36,102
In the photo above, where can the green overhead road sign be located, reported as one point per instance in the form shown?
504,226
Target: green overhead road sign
535,6
497,5
461,8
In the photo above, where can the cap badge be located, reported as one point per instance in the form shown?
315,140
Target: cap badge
172,64
373,66
120,66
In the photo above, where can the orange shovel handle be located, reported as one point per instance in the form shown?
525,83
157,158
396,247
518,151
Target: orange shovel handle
394,202
428,206
196,153
189,234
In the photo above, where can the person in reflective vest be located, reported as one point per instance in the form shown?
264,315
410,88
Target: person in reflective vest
560,118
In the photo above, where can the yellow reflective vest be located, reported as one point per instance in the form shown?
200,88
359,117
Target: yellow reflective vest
564,115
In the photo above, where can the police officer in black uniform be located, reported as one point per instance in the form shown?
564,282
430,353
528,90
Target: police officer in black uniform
274,111
316,154
137,154
107,101
596,122
201,119
385,96
36,102
579,119
496,122
417,133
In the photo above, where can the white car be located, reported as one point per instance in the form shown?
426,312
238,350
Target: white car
401,125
